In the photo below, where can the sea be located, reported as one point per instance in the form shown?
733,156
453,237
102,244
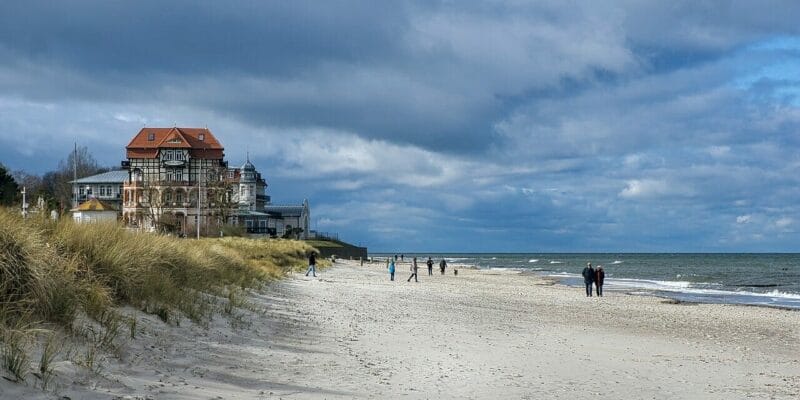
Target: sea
771,280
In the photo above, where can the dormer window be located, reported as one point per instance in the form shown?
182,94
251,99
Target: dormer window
201,137
151,137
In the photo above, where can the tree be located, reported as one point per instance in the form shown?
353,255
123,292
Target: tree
219,196
57,182
8,187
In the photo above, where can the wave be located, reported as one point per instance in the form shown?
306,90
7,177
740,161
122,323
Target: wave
617,262
533,260
691,291
556,262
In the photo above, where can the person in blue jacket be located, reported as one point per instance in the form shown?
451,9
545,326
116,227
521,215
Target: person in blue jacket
588,278
391,270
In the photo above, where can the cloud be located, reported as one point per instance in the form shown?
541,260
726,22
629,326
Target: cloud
432,124
645,188
784,222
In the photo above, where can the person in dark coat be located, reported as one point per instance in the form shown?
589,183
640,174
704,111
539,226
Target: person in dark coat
588,278
599,276
430,266
312,264
442,266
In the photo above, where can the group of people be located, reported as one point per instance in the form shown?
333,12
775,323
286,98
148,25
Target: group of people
390,265
594,276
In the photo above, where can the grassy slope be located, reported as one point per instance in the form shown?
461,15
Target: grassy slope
54,274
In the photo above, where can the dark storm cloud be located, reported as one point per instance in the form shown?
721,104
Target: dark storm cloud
415,72
545,125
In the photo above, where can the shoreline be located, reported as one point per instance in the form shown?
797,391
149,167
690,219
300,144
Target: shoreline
781,300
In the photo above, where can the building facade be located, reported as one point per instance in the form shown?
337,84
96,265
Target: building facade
106,187
249,196
94,210
176,179
284,218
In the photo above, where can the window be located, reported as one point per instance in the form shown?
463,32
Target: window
201,137
167,156
230,174
179,197
151,137
81,191
109,191
170,175
179,175
168,196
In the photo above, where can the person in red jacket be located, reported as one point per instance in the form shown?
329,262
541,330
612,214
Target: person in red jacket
599,276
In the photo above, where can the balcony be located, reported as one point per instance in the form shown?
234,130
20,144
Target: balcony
261,230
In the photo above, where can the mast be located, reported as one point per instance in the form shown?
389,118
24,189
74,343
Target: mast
75,174
199,173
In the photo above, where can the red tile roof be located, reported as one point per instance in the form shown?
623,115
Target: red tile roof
175,138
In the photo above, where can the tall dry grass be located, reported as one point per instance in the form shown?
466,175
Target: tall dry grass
52,272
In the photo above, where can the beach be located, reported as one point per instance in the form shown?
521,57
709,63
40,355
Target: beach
351,333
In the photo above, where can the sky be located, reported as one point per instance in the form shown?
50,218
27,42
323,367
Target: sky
443,126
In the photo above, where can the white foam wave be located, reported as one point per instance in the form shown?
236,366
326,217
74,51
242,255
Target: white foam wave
533,260
691,288
556,262
700,289
617,262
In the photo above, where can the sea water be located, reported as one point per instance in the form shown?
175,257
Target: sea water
753,279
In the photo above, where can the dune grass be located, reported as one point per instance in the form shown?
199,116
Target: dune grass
53,274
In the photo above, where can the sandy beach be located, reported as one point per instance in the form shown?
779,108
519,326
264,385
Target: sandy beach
351,333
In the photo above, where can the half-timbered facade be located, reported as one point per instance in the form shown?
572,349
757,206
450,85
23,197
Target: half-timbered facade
177,177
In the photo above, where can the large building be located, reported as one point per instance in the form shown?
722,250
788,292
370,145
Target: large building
176,178
250,198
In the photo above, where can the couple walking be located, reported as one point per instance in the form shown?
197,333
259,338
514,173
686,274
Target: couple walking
596,276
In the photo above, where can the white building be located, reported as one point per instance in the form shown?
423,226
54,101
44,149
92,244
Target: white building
283,218
106,187
94,210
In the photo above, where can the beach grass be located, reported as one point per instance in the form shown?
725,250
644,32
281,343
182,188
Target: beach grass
59,275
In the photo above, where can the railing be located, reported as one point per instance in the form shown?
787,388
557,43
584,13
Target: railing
261,230
84,197
324,235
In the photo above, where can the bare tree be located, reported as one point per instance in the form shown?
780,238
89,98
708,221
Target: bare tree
219,197
57,183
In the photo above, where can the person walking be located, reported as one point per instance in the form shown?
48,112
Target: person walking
312,264
430,266
588,278
599,276
414,269
442,266
390,265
